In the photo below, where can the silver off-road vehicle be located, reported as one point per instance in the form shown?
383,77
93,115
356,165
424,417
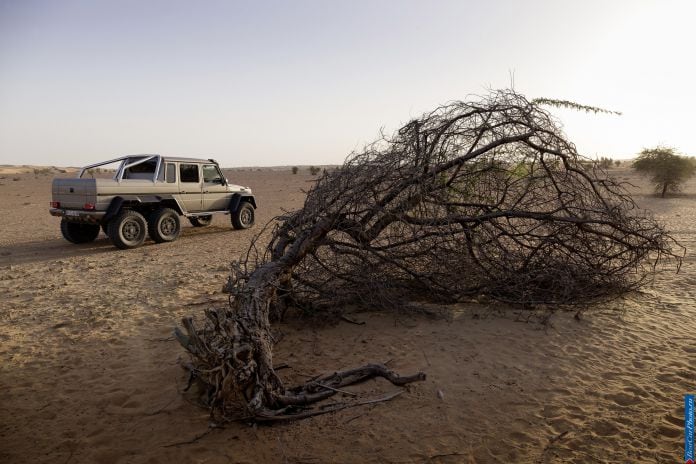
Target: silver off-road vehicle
148,193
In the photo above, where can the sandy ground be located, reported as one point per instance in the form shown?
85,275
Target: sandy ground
89,374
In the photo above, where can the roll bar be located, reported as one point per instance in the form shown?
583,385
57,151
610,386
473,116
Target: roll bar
119,173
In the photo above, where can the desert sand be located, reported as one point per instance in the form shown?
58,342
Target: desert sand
89,368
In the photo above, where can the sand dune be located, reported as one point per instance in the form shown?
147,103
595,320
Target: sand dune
38,170
89,368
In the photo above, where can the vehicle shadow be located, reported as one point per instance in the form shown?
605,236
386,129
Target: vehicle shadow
50,250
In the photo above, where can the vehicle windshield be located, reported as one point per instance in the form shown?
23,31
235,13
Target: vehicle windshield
211,174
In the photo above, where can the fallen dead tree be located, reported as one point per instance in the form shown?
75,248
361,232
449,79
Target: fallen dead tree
484,197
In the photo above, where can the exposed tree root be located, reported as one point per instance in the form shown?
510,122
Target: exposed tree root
221,382
289,413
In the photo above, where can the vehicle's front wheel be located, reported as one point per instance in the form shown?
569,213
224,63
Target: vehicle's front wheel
127,230
243,218
201,221
76,232
164,225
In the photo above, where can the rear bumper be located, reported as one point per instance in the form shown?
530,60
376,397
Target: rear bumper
90,217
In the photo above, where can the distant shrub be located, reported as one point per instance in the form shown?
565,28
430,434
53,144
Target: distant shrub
295,169
313,170
91,172
666,169
617,163
605,163
41,172
16,179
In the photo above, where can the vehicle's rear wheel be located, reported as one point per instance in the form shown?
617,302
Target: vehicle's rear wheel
243,218
164,225
76,232
201,221
128,229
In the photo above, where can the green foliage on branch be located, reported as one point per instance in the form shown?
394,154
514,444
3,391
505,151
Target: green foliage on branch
566,104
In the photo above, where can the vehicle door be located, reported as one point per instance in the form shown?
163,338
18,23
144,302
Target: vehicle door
215,194
190,186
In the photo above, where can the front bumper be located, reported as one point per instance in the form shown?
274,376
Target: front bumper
76,215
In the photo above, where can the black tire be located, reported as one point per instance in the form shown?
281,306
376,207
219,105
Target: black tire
243,218
201,221
127,230
76,232
164,225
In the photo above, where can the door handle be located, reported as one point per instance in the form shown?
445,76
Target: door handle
206,191
182,191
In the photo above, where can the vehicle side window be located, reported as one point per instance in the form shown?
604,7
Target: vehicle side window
171,173
144,170
211,175
188,173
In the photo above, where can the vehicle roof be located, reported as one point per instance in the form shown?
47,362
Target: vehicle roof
178,158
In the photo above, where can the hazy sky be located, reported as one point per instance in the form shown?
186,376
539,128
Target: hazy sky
306,82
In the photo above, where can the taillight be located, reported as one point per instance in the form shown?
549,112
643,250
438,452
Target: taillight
89,206
55,204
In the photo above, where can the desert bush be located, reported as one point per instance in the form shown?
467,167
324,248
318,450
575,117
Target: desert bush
313,170
41,171
295,169
605,162
482,198
666,169
91,172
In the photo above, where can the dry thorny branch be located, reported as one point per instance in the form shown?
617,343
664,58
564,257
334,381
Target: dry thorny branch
484,197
